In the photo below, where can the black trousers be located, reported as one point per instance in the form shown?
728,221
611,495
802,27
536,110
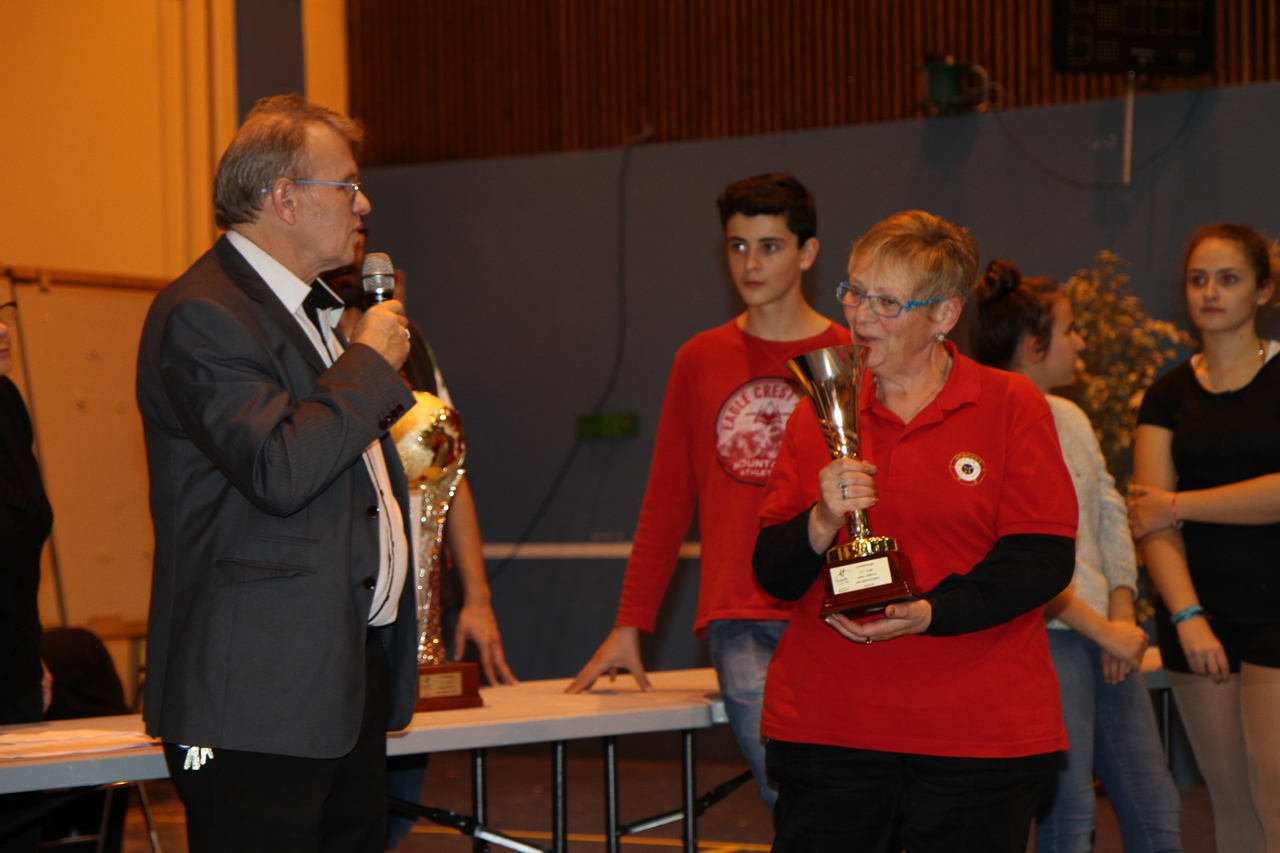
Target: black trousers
242,802
862,801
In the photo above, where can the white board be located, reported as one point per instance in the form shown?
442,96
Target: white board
79,352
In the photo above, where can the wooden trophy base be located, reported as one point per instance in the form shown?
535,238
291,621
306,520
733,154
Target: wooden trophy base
864,576
445,686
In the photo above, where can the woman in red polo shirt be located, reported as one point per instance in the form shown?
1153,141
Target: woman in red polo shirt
937,727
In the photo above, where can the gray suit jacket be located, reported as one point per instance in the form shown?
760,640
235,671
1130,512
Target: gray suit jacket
265,520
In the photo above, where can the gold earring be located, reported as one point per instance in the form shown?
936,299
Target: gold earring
939,337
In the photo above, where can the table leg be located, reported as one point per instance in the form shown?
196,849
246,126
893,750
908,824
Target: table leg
611,794
1166,730
105,822
145,802
559,800
689,789
479,797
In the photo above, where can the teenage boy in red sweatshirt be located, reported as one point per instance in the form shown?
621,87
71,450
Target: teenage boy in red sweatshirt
726,406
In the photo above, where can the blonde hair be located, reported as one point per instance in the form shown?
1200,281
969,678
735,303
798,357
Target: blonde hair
941,257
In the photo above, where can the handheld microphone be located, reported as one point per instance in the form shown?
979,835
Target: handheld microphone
379,278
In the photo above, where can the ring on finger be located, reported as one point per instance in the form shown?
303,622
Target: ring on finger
844,491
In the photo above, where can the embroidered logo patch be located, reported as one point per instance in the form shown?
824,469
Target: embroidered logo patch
749,428
967,468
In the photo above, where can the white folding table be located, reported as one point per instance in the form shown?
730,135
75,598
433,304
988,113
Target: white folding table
530,712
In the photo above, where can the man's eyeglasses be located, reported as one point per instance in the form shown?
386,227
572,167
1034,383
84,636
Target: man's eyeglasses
883,306
352,187
8,313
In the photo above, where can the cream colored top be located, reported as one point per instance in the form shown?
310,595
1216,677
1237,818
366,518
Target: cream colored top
1105,557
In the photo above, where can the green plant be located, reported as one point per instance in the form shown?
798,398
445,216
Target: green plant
1124,348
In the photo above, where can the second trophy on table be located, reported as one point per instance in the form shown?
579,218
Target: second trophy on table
432,448
867,573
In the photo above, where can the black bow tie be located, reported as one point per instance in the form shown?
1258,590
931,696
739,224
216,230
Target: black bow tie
319,298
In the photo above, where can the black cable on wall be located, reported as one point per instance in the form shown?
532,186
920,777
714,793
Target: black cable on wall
619,351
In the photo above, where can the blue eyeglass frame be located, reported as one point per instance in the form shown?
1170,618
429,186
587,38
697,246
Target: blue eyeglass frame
352,187
845,288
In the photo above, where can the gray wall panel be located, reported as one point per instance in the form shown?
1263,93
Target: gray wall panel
511,267
269,51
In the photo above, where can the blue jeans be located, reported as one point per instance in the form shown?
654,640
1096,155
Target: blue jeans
1112,732
405,775
740,652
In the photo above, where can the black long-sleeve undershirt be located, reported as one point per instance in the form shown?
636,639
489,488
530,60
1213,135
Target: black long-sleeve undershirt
1021,572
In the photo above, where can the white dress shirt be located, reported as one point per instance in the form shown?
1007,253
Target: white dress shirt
393,556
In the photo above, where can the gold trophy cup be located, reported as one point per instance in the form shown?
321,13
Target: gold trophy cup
866,574
432,447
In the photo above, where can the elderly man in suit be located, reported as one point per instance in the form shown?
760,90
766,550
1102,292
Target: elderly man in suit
281,644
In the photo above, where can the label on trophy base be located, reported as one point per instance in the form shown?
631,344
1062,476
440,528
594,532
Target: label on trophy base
436,685
447,686
852,577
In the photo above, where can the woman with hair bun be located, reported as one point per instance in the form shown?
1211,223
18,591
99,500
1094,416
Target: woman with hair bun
1206,507
1026,325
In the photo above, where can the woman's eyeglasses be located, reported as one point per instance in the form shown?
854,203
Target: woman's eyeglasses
882,306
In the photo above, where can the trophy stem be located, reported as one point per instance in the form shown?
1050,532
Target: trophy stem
856,523
436,499
427,581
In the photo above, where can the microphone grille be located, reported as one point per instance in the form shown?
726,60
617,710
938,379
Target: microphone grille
378,263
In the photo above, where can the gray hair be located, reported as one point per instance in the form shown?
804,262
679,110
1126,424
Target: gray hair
271,144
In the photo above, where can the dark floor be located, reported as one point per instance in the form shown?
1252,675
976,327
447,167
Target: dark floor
520,804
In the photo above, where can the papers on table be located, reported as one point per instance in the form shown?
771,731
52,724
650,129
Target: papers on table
44,742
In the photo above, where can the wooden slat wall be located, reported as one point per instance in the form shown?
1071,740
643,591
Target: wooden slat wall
446,79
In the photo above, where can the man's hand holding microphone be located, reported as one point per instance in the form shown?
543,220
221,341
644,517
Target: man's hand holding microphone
384,326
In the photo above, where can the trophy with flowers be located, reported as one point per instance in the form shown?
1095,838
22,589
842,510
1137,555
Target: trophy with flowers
432,447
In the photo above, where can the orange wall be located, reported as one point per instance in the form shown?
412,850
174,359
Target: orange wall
114,117
111,112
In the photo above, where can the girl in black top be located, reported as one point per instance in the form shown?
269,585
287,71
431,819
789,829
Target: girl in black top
1206,505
